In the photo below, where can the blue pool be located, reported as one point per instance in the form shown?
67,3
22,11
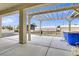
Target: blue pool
72,38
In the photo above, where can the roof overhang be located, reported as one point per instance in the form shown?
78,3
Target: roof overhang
18,7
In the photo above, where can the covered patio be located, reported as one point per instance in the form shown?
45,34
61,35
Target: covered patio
38,46
30,44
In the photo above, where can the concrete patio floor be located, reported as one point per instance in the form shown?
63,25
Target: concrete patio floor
38,46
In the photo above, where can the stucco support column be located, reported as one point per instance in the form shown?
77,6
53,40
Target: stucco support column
40,28
29,27
0,26
22,27
70,25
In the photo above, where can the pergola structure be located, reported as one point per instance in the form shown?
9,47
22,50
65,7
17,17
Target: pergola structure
22,17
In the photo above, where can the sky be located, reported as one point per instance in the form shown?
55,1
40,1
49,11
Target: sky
10,20
13,20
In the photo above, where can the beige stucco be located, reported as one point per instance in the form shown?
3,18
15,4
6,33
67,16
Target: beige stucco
29,25
22,27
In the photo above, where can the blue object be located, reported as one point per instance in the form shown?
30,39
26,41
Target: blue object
72,38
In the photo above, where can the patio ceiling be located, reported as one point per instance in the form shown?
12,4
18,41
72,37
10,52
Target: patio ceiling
72,7
52,13
4,6
10,7
61,14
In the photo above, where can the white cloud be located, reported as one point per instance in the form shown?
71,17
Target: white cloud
7,21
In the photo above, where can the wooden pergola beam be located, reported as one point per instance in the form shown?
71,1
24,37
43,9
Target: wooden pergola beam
51,19
56,10
19,7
